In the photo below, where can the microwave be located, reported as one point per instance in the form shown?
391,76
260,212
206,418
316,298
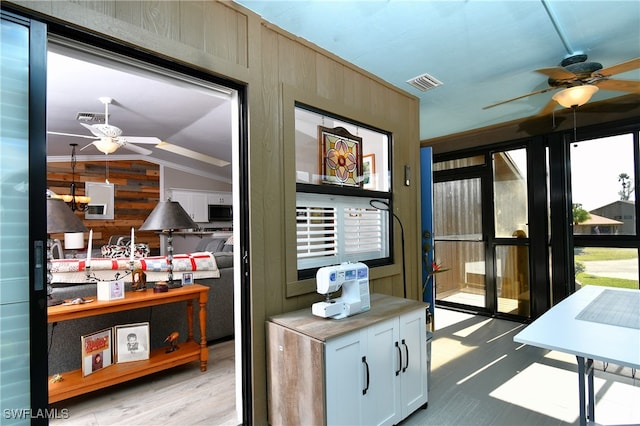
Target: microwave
220,213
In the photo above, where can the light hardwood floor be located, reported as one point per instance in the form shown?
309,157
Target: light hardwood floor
182,396
479,377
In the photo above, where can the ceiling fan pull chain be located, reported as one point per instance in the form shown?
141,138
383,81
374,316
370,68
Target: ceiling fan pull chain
107,169
575,132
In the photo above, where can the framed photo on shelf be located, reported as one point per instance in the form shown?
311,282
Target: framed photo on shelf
187,278
340,157
97,351
132,342
369,171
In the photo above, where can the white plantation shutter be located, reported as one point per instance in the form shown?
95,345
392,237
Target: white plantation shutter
334,229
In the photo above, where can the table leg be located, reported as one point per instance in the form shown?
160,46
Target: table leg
581,392
592,401
586,401
204,352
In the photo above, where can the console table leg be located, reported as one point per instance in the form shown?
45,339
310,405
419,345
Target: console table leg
190,321
204,352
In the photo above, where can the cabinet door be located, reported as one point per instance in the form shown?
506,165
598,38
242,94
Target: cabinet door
184,198
384,356
221,198
414,368
199,207
346,378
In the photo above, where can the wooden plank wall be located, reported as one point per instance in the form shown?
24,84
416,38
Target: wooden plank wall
137,191
228,40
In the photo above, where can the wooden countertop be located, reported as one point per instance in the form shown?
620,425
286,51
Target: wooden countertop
382,308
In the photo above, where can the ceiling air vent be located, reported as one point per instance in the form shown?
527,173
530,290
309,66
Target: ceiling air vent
424,82
90,116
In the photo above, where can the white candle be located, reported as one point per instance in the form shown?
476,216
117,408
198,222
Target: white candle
88,262
133,247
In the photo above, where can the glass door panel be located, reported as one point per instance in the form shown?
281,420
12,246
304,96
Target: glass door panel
14,227
511,216
512,278
458,242
510,193
464,282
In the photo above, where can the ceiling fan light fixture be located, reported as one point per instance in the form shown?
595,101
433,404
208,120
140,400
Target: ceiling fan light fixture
575,96
106,145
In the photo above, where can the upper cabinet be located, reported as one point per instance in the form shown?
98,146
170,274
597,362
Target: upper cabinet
196,203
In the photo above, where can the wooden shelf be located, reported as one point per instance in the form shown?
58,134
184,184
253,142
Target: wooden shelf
74,384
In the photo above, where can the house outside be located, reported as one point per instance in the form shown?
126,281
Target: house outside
622,211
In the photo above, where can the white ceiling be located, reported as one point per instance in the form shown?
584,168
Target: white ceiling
192,114
483,51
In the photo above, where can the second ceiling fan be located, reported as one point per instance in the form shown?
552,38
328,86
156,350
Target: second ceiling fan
576,74
109,137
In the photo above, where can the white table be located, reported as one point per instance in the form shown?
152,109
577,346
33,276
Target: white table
608,329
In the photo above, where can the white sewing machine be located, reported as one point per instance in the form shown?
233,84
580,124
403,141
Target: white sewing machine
353,278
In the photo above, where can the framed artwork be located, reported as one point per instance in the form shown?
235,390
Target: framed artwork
369,171
340,157
97,351
187,278
132,342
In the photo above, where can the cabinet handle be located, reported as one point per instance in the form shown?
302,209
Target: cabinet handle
399,359
407,350
366,365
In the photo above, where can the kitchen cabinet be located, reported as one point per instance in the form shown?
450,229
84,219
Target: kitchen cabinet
367,369
194,203
220,198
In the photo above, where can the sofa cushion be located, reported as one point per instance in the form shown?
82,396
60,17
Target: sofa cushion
224,259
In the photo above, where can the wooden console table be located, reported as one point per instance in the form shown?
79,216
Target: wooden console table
74,384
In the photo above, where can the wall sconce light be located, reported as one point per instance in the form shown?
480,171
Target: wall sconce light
575,96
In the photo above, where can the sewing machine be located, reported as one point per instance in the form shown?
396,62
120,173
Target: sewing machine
353,278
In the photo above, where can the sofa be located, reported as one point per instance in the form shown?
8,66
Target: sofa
64,338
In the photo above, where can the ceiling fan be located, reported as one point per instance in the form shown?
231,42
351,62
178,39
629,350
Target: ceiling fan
109,137
580,80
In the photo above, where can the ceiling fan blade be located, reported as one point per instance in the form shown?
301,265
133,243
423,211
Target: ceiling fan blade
548,108
557,73
140,139
192,154
619,68
71,134
620,85
95,132
88,145
138,149
520,97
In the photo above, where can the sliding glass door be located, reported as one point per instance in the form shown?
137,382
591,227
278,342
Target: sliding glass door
23,368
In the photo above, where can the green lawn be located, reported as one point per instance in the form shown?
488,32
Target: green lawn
587,279
601,253
605,253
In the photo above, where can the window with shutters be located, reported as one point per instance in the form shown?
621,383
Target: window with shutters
342,169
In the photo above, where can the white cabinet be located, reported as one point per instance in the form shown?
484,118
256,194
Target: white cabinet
374,365
378,375
194,203
220,198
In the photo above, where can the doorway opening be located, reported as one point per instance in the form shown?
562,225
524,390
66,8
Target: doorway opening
197,120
